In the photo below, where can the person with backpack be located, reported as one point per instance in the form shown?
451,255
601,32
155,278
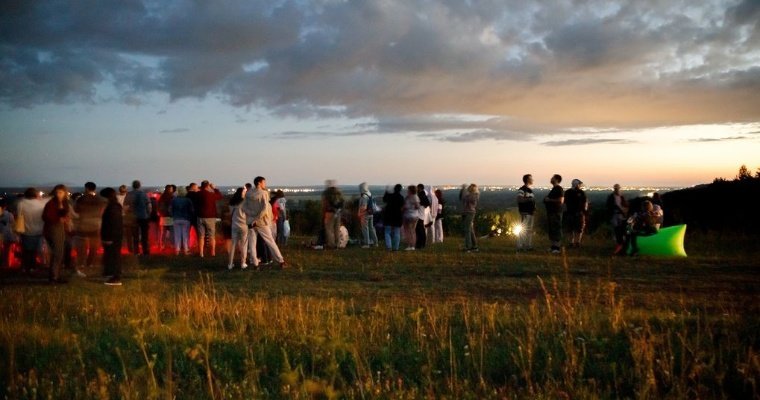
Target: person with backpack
332,205
617,208
366,216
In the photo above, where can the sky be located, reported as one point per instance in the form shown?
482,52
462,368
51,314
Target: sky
661,93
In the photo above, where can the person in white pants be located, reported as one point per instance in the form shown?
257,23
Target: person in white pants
438,224
259,218
430,223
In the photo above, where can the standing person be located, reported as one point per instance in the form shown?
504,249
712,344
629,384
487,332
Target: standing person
411,216
7,235
393,217
617,207
90,208
258,217
182,212
193,193
165,220
207,215
438,238
57,219
469,207
239,229
526,204
282,218
430,226
332,205
122,194
366,216
30,209
111,228
553,202
576,205
138,204
420,229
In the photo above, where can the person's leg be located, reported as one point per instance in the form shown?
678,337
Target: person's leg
201,237
528,227
329,232
438,230
396,237
555,230
409,236
387,231
243,247
233,247
186,236
93,245
56,243
467,221
108,259
372,231
473,236
28,252
335,223
265,234
252,247
177,227
112,260
419,234
365,230
80,244
144,238
211,232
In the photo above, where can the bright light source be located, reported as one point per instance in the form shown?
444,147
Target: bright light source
517,229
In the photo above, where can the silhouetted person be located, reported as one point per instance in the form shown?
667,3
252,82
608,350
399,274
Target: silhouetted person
90,208
617,207
526,205
332,206
111,228
138,204
393,217
57,218
553,202
576,205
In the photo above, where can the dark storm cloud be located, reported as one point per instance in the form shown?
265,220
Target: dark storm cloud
557,65
586,141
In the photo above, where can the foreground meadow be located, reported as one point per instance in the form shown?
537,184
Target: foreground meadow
357,323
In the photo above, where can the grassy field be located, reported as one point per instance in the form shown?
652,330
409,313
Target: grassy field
357,323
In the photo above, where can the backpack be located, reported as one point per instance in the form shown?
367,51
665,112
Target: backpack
370,205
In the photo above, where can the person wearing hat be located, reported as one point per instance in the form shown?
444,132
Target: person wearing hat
576,205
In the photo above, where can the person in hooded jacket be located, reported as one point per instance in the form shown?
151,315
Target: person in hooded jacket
366,214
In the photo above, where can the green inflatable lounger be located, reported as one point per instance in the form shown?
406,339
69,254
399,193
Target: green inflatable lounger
667,242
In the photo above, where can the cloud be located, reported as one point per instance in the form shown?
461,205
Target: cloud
592,63
723,139
175,130
586,141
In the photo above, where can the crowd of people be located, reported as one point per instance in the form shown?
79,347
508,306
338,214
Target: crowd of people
255,223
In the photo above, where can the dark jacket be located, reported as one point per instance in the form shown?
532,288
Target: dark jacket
393,213
112,223
89,207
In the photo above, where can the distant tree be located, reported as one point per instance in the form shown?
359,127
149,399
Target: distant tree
719,180
757,174
743,174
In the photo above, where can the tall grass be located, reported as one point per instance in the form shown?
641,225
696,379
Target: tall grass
199,338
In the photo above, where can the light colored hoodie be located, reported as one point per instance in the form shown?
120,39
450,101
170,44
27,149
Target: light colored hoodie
257,208
364,196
